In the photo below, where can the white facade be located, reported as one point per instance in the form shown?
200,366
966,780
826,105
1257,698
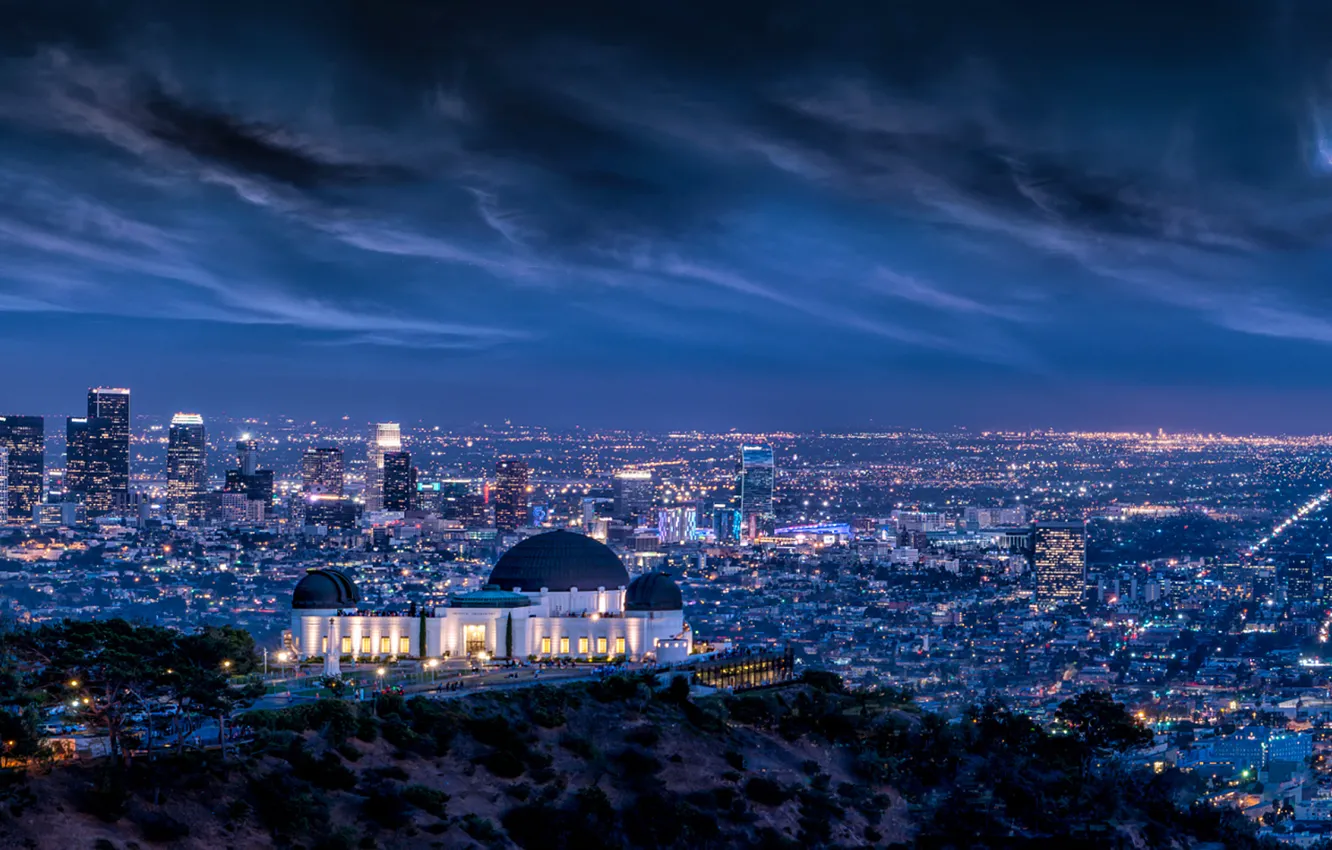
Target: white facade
553,624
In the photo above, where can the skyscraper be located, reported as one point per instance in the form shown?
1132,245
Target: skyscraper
77,450
322,472
247,455
247,477
187,466
107,458
4,482
399,482
632,492
1060,560
1298,575
25,439
754,486
510,494
388,438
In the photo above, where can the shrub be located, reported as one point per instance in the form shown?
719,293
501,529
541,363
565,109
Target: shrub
480,828
503,764
578,745
735,759
765,792
387,807
159,827
637,763
645,736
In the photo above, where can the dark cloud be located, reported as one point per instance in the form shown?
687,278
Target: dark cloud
781,183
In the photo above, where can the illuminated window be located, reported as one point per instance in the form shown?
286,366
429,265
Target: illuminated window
601,646
346,645
619,646
404,646
365,644
564,646
385,646
545,646
582,646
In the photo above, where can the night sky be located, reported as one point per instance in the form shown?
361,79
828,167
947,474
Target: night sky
721,214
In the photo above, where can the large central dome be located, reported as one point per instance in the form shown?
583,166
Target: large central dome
559,560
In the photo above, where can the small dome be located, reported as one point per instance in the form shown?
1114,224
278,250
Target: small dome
325,590
653,592
559,560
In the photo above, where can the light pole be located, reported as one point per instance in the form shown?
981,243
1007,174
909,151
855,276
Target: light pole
379,685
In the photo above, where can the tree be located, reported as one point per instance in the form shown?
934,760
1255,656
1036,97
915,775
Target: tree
1101,724
508,636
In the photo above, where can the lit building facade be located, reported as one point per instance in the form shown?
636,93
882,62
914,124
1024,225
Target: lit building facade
554,595
187,466
512,507
107,452
387,440
322,472
632,492
755,482
1059,557
399,482
24,439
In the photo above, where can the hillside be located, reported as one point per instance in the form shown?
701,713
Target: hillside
620,763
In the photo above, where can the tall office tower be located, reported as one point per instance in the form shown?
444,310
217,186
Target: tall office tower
77,450
388,438
4,483
247,477
187,466
754,486
247,455
108,453
399,482
633,494
1059,555
321,472
25,439
510,494
1298,575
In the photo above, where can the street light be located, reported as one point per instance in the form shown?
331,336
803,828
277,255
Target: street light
379,686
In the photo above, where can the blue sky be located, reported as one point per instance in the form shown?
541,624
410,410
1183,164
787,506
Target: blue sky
746,214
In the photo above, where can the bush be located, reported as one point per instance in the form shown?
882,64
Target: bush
645,736
480,828
503,764
325,770
765,792
637,763
578,745
387,807
735,759
159,827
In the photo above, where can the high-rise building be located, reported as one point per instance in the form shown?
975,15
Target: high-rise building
1059,555
677,524
107,458
4,483
322,471
247,477
77,451
24,437
247,455
510,494
632,492
754,487
1298,575
399,482
187,466
388,438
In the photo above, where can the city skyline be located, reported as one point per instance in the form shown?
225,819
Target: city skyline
908,216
